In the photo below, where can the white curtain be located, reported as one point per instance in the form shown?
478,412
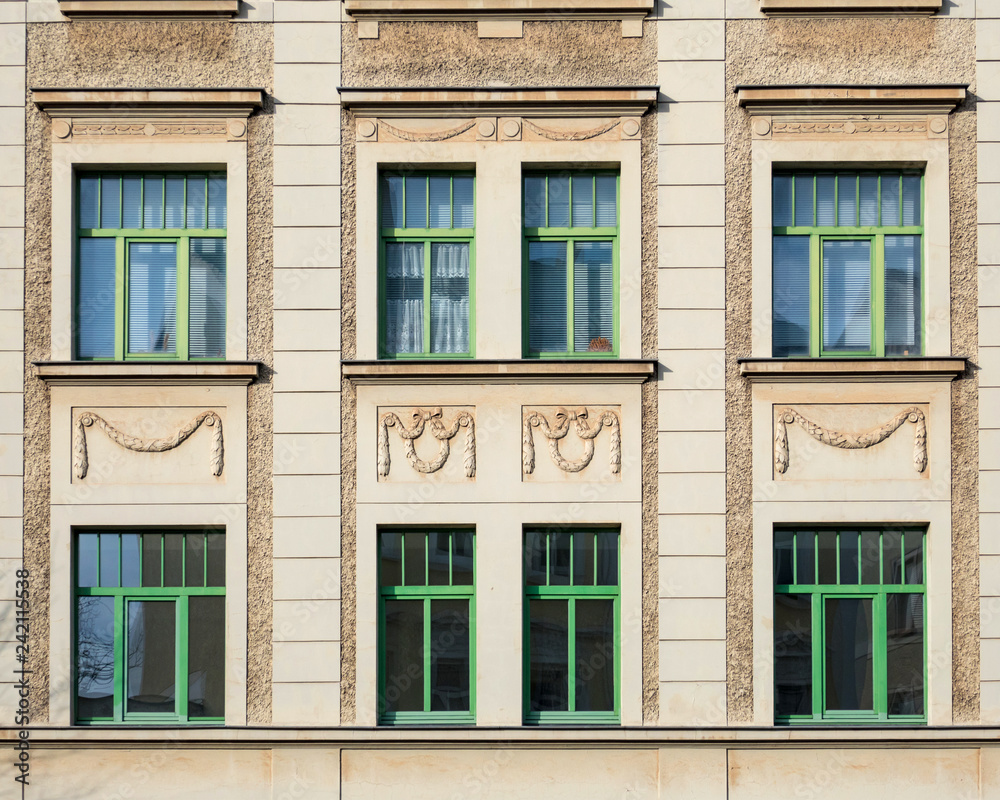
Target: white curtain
404,298
450,298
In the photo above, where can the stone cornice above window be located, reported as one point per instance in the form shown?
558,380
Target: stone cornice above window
849,8
147,373
851,370
497,372
149,9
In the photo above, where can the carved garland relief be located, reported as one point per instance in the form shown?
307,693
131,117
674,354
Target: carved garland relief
502,129
852,126
564,420
433,421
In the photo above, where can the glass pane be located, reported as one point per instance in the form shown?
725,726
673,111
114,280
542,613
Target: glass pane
438,557
414,559
404,297
207,657
152,559
848,557
892,561
548,648
558,201
595,655
216,201
404,658
607,558
826,199
848,658
109,560
216,555
463,211
95,657
197,201
151,682
111,201
781,200
440,196
890,199
805,560
870,557
607,201
152,201
783,561
904,618
593,297
903,306
913,556
793,654
449,298
87,202
152,297
584,550
534,201
174,211
462,558
559,557
391,559
416,202
804,199
535,544
95,299
194,559
173,559
847,277
86,560
392,201
583,201
911,199
847,199
130,559
827,557
869,198
547,302
132,201
790,296
207,304
450,662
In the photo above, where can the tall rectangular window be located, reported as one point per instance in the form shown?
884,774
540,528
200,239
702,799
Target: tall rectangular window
847,265
150,627
849,641
572,634
150,266
571,264
427,258
427,626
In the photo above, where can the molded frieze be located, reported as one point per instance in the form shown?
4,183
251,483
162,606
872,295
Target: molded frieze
499,129
430,421
571,455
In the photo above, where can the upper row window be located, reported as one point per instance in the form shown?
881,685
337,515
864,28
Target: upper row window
151,266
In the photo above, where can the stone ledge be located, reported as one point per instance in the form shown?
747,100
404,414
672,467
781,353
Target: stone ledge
147,373
149,9
424,10
850,370
838,8
125,103
859,99
498,372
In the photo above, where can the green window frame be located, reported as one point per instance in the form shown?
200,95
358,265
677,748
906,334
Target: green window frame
427,626
150,266
847,262
149,627
570,258
850,644
572,626
427,264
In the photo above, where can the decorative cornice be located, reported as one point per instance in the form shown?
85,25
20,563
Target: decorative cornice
147,373
859,99
149,9
848,8
145,103
391,373
421,10
850,370
571,101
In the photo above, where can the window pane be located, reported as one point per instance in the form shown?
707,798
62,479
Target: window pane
558,201
450,663
152,559
463,212
892,560
548,646
462,558
826,199
535,545
391,559
207,304
911,199
86,560
130,559
173,559
196,201
607,201
607,558
217,201
804,199
111,201
848,659
903,307
194,559
869,198
547,304
95,299
583,201
847,199
416,202
870,557
847,278
95,657
826,562
792,654
593,297
595,655
152,661
449,298
534,201
404,293
781,200
913,556
890,199
905,653
109,560
174,211
207,657
392,201
584,550
87,202
805,560
404,661
784,564
415,559
440,192
438,558
790,296
132,201
559,556
152,297
216,555
152,201
848,557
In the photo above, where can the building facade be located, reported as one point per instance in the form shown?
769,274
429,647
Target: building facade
421,398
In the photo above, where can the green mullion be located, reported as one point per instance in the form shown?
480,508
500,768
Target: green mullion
402,559
836,555
854,230
795,555
427,651
571,642
118,670
565,592
141,592
818,638
181,665
145,233
880,657
163,546
451,560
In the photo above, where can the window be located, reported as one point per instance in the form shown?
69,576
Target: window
150,628
571,258
151,266
849,644
572,638
427,613
847,263
427,255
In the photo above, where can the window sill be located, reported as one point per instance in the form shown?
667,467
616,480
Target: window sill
147,373
849,8
149,9
495,372
851,370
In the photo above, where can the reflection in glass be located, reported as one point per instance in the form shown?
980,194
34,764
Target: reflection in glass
462,558
584,549
827,557
450,663
109,560
152,297
194,559
86,559
870,557
391,548
848,557
548,646
793,654
559,559
152,666
849,662
173,559
207,657
414,561
805,557
783,561
130,559
438,557
535,558
404,663
152,559
95,657
905,653
607,558
216,556
595,655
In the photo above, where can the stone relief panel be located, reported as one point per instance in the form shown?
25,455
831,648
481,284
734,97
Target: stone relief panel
868,442
498,129
583,443
415,444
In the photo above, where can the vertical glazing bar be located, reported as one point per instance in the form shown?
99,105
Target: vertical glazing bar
427,654
163,547
571,655
184,545
836,547
572,577
902,557
204,556
818,639
795,556
118,665
427,558
118,541
181,663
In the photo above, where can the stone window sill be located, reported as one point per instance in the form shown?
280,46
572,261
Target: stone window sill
149,9
849,8
148,373
850,370
497,372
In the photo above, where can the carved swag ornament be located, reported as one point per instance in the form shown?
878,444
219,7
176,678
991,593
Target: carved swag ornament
431,419
578,420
